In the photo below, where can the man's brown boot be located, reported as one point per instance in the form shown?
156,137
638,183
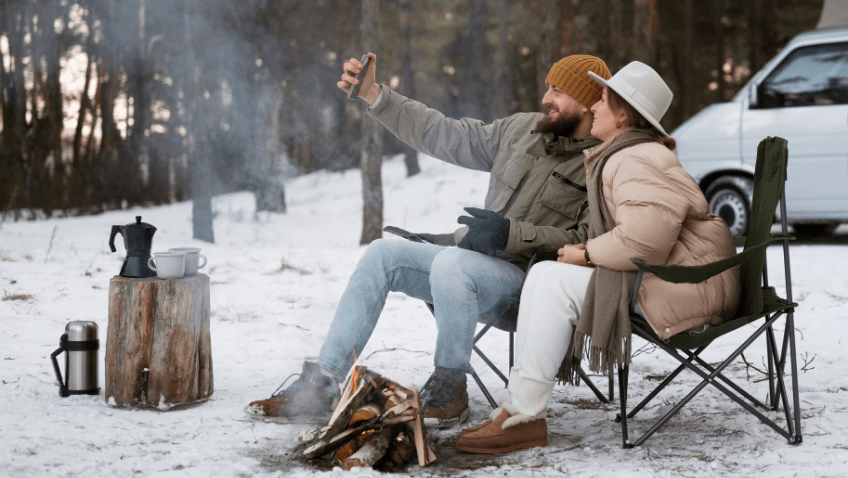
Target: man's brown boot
309,399
507,431
444,400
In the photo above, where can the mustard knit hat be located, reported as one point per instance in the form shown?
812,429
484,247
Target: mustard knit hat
571,75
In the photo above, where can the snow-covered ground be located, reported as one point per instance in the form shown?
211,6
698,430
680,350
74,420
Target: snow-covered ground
266,319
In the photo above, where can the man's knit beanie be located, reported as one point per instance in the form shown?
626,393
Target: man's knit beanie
571,75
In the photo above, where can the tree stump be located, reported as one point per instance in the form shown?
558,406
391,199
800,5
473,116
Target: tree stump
158,347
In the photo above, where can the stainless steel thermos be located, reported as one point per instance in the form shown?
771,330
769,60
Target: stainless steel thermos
81,346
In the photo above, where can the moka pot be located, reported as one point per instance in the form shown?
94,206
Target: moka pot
138,239
81,347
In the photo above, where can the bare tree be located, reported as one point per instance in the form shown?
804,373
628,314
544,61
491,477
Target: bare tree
645,30
503,101
198,144
686,92
720,57
616,48
471,99
550,43
372,138
410,155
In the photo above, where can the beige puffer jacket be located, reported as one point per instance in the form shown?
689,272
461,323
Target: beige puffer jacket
662,217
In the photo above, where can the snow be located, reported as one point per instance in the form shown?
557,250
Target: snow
267,319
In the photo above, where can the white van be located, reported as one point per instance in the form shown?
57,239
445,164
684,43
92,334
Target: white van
800,95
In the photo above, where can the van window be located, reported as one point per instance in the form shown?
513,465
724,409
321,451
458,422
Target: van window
809,76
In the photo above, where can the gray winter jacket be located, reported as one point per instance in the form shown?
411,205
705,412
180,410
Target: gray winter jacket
538,184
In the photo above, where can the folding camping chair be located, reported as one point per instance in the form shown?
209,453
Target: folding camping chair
507,322
758,300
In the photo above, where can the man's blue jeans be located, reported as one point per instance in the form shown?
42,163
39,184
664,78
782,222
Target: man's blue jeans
461,285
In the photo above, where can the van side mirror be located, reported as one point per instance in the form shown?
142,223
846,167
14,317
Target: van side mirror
754,95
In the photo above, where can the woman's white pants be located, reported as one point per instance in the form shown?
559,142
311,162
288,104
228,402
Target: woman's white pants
551,301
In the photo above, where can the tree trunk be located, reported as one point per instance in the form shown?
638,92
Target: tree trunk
410,155
158,346
616,47
471,88
12,175
503,102
139,81
550,45
54,117
198,144
271,193
372,138
343,157
720,57
645,29
79,170
686,90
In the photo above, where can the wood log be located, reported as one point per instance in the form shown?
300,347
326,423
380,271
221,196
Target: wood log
425,454
371,451
401,449
158,346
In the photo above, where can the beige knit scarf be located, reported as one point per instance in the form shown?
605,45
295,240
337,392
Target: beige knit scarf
603,328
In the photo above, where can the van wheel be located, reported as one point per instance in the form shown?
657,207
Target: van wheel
730,199
815,229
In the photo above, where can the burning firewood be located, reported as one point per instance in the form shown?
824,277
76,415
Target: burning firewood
375,416
401,449
370,452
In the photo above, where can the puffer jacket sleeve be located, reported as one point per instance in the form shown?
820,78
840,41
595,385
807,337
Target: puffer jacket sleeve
649,213
467,142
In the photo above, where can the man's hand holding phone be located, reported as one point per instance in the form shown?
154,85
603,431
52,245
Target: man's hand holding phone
369,90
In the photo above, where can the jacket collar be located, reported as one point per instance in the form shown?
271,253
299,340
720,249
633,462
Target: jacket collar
567,146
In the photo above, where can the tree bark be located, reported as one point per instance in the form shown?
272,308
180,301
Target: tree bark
616,47
645,30
54,117
410,155
503,102
372,139
720,57
343,157
687,93
158,345
198,144
471,87
550,45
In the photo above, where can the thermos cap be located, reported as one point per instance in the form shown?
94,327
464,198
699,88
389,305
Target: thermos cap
81,330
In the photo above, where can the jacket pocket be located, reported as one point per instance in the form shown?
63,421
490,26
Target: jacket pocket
562,197
508,180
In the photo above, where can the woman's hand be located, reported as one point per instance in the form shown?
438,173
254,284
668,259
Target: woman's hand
573,254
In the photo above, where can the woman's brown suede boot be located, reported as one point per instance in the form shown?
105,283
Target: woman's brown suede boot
507,430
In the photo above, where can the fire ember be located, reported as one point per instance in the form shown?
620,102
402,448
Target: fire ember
375,418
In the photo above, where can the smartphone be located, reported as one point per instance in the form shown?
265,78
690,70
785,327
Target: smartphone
354,89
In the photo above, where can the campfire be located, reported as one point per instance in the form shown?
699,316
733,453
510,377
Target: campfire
375,418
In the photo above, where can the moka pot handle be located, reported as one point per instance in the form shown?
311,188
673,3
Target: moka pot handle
115,231
63,346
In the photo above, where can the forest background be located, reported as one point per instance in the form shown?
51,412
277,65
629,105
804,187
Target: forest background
109,104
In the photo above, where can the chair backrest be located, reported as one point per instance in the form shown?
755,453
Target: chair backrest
769,178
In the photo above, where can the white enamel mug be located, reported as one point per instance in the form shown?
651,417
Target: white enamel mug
193,257
168,265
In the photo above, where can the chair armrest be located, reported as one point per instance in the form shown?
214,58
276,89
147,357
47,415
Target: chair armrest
696,274
740,241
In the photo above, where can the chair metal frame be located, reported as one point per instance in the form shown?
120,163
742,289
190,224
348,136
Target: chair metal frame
713,376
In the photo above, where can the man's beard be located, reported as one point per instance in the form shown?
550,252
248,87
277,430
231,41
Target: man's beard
562,126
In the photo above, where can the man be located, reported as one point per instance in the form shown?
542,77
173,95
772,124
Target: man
536,197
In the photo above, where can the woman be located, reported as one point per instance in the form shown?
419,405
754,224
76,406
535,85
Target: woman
643,204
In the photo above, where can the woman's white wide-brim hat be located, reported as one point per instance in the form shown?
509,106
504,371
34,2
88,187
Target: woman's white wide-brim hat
643,88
